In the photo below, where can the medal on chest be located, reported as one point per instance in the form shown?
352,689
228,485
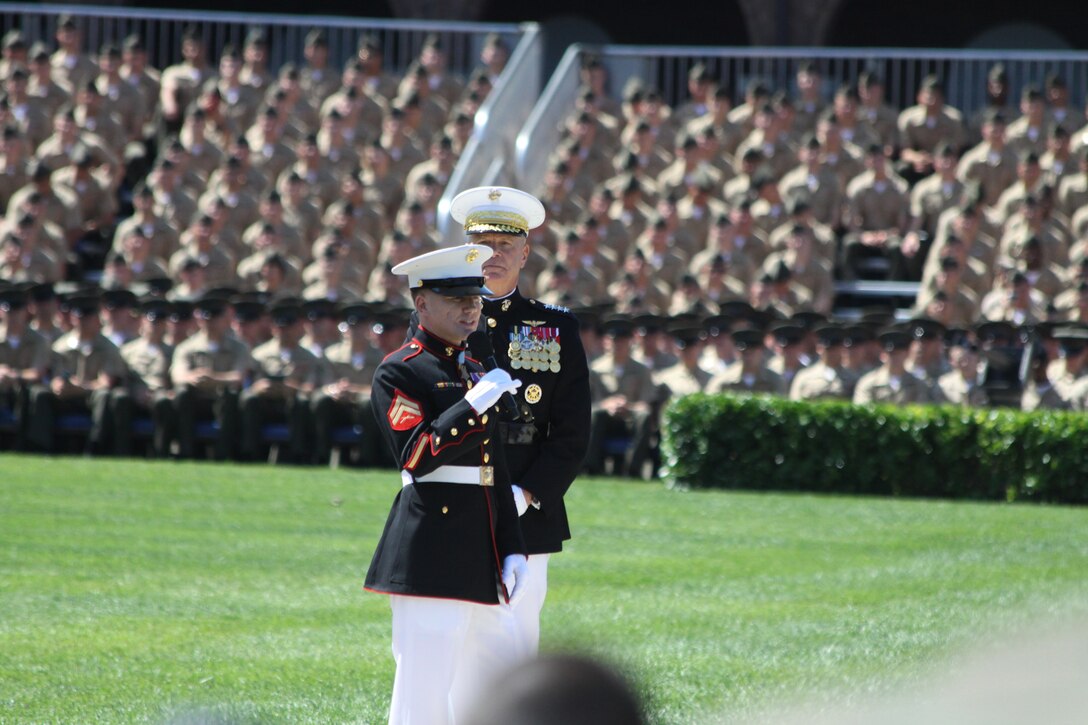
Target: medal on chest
534,347
469,377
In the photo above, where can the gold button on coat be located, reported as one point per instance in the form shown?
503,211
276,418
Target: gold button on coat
445,509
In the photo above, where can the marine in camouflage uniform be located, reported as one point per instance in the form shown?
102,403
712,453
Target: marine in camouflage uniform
285,375
891,383
147,392
208,371
25,356
345,398
87,366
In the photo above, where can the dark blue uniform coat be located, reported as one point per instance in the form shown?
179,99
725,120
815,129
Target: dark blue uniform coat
443,540
545,456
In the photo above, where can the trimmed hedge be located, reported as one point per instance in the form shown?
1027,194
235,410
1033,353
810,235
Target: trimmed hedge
767,443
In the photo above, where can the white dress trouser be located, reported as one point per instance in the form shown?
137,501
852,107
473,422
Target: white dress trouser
446,652
528,605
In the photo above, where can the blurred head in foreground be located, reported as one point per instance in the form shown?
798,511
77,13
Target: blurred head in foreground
559,690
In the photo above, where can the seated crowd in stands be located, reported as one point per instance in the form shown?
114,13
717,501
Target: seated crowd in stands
201,174
672,210
730,226
183,250
208,248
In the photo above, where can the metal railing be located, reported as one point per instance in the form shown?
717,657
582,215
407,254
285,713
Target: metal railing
540,136
486,156
161,31
963,72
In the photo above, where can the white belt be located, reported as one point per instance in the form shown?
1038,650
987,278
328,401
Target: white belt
469,475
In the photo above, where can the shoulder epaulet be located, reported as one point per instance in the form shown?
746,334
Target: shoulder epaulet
553,308
408,350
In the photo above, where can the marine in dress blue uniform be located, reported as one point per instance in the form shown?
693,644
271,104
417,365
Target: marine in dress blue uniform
452,553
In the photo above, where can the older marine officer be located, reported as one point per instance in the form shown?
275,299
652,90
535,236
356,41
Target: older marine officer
542,344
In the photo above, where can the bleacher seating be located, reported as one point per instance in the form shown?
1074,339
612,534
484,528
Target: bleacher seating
780,187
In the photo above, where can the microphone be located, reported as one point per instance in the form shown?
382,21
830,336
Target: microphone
479,344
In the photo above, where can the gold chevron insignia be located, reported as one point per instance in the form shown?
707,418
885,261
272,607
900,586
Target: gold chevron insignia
404,413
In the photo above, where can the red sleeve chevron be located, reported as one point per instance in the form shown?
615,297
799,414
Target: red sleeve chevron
404,413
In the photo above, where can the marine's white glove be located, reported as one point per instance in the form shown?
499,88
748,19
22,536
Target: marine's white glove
519,499
487,392
515,569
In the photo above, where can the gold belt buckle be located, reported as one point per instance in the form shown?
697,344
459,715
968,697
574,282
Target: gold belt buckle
487,475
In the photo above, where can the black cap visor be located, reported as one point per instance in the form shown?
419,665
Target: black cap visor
457,286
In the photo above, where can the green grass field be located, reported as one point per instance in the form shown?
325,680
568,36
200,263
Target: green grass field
137,591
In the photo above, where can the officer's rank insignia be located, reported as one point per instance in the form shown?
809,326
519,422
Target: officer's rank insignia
533,394
534,348
404,413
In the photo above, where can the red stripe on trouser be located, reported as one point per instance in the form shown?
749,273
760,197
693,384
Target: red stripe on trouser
494,545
